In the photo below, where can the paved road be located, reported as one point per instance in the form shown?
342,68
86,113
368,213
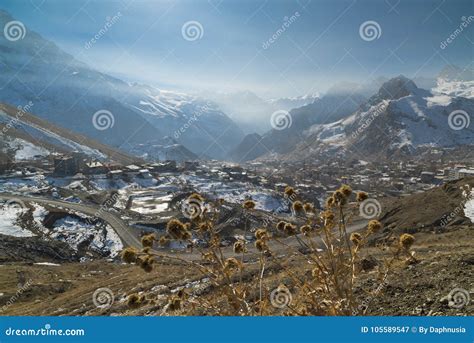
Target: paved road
129,235
123,230
294,242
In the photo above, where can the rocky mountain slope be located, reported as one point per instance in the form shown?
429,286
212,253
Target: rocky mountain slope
288,127
400,119
440,207
24,136
251,147
70,94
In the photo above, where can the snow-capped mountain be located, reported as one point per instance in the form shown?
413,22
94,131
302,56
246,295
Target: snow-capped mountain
253,113
332,106
399,119
197,123
70,94
290,103
454,81
63,90
449,89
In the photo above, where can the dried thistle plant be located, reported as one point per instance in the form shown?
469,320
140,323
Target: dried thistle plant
330,254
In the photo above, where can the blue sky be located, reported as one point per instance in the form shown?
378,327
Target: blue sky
321,46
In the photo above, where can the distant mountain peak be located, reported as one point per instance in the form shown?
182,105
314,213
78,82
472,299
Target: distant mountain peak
396,88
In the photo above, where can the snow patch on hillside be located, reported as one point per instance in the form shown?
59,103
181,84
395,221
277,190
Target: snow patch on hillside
74,232
236,192
469,208
9,218
27,151
42,134
463,89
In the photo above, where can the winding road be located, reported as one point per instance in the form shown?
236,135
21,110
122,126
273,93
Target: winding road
124,231
129,236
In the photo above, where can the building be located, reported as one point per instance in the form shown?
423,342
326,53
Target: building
427,177
465,172
94,168
190,165
115,174
232,169
132,170
5,162
79,159
280,187
144,174
164,167
459,173
65,166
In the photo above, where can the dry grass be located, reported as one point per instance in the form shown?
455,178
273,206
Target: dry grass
245,287
327,272
446,261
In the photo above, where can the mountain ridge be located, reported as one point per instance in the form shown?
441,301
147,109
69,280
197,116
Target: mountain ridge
400,119
68,93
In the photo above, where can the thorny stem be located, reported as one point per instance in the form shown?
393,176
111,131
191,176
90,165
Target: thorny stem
344,230
245,244
262,264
